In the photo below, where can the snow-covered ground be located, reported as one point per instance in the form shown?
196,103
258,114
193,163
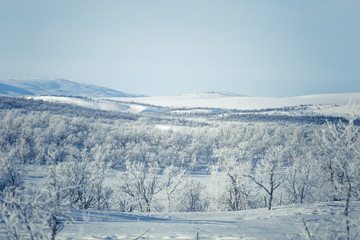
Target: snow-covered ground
332,104
284,222
326,104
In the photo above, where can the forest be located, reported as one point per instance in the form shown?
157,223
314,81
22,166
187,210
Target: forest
151,162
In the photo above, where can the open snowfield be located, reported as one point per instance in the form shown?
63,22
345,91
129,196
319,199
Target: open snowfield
326,104
219,100
336,104
283,222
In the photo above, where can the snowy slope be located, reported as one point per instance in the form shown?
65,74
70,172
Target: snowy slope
325,104
284,222
99,103
19,87
215,100
9,90
329,104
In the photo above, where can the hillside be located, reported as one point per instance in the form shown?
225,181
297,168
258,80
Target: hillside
336,105
330,104
55,87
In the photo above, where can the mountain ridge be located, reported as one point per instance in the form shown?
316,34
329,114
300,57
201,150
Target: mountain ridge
56,87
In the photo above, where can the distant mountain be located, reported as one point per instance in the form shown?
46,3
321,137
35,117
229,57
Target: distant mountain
56,87
9,90
224,94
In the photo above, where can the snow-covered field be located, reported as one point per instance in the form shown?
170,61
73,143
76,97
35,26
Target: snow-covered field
326,104
333,104
284,222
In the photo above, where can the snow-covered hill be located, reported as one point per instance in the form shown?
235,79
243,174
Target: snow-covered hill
323,104
218,100
57,87
59,90
329,104
323,220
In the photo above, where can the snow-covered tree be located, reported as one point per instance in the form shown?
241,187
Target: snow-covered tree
341,143
302,179
173,177
31,214
268,174
192,197
11,174
54,201
141,183
233,187
82,181
340,159
24,213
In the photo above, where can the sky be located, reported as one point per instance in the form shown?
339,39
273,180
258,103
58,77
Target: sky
276,48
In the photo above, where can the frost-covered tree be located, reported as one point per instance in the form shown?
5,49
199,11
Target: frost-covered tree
173,177
341,143
55,201
302,178
24,212
11,174
192,197
83,182
233,187
268,174
140,182
30,213
340,159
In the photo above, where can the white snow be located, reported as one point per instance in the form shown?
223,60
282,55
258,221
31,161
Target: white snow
209,100
327,104
282,222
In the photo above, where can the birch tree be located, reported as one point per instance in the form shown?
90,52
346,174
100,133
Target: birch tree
173,177
268,173
141,183
233,187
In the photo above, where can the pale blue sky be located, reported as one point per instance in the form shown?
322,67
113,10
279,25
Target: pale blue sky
159,47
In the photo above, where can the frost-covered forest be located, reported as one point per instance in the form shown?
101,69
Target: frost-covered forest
104,161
